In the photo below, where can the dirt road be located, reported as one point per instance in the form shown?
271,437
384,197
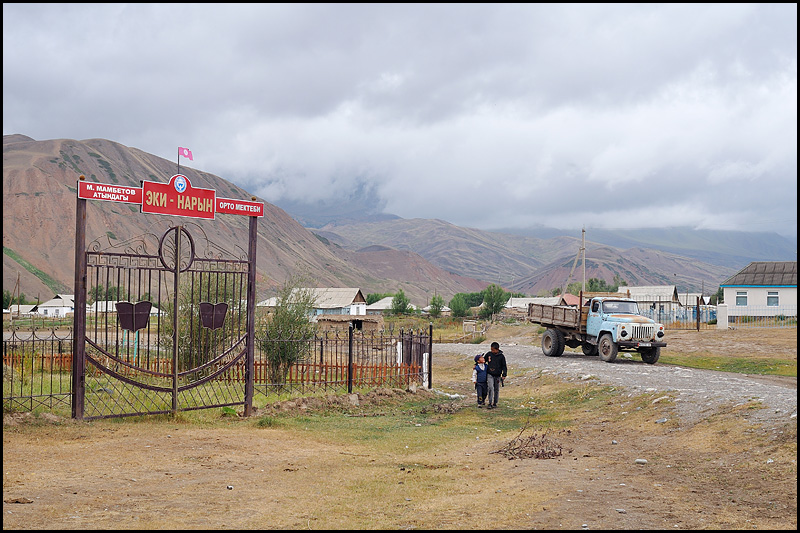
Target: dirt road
671,449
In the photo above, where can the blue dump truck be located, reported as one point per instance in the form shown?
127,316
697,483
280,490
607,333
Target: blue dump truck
602,326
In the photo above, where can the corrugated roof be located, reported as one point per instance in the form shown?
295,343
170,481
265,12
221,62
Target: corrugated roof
385,304
522,303
765,274
381,305
60,300
691,298
337,297
652,293
327,298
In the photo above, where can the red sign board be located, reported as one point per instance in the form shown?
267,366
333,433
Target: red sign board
110,193
178,198
240,207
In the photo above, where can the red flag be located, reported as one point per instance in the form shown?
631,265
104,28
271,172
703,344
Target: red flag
185,152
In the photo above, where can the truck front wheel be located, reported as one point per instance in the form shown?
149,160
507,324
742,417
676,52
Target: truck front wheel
650,355
553,343
589,349
607,348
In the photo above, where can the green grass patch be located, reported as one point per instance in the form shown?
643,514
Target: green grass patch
740,365
51,283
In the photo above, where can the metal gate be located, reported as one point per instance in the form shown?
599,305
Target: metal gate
168,327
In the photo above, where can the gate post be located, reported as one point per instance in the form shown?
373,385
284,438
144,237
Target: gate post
430,355
175,306
350,360
251,318
79,315
698,313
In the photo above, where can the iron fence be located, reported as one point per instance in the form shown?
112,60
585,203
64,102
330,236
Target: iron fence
692,317
766,316
37,369
37,365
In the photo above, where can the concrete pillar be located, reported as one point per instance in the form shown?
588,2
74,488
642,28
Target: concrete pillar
722,316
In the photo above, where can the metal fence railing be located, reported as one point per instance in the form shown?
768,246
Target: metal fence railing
754,316
37,365
684,317
37,369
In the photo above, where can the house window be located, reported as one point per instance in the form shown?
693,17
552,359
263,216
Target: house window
741,297
772,298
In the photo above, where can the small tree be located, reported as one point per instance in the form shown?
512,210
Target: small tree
376,296
459,306
437,304
494,298
286,335
400,303
717,298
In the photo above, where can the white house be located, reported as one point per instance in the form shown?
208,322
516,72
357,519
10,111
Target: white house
22,310
59,306
689,299
330,301
102,306
762,288
110,306
384,306
660,298
521,304
381,307
445,311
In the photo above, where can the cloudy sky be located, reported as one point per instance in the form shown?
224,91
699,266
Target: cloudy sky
487,116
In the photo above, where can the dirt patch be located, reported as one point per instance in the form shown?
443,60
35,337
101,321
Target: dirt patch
631,465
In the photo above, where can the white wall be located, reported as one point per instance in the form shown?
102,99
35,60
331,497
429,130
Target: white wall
757,301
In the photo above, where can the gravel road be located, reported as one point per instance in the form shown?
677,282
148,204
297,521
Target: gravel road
698,391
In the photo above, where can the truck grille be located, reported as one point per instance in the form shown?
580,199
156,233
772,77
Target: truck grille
642,332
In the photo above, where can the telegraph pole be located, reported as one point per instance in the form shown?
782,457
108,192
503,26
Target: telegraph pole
583,250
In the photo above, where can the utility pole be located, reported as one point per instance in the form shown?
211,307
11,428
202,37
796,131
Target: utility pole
583,250
11,305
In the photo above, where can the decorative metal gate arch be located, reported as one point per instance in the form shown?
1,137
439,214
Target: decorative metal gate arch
170,327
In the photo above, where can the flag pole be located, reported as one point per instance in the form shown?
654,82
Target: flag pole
179,161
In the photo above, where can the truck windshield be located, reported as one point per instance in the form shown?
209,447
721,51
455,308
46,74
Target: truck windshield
620,307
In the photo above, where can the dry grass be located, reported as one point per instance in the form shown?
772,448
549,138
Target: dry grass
413,461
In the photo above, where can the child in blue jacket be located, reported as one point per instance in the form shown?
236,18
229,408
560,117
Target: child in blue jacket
479,378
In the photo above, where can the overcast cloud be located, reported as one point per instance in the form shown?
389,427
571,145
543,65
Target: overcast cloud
486,116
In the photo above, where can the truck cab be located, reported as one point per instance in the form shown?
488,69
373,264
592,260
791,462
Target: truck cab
614,324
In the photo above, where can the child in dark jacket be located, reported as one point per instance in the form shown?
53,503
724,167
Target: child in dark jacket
479,378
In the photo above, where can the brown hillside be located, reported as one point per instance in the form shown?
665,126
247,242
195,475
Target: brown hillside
39,202
525,264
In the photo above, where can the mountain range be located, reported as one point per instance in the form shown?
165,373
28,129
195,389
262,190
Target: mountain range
376,252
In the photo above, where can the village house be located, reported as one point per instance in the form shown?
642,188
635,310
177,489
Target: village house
328,301
690,299
445,311
58,306
17,310
762,288
384,306
661,299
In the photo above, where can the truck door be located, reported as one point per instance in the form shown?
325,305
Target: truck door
594,319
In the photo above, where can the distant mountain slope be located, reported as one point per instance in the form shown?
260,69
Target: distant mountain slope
528,264
420,256
39,201
734,249
637,266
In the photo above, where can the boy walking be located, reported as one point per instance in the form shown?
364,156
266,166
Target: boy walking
479,378
496,368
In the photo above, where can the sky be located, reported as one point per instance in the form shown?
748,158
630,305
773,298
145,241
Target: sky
485,116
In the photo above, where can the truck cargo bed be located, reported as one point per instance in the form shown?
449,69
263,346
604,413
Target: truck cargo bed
555,315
